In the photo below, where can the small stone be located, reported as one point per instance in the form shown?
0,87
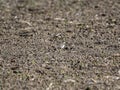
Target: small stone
119,72
62,45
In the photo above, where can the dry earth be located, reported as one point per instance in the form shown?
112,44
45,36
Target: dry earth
59,44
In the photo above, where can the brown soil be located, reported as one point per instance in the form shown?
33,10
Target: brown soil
59,44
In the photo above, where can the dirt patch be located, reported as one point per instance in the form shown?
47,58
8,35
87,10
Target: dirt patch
59,44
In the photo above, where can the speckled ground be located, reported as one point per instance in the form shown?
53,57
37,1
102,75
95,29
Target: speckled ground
59,44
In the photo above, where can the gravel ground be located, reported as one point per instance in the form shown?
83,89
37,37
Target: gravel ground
59,44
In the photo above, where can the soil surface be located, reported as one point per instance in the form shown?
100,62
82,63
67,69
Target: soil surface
59,44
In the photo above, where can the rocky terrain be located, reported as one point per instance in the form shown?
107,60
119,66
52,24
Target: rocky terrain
59,44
